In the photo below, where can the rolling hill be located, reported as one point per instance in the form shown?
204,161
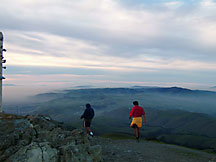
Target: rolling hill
107,99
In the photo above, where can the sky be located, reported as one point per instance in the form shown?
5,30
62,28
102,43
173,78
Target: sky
61,44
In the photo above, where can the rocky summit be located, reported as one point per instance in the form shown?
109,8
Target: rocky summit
41,139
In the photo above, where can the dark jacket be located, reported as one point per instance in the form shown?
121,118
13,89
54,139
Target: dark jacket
88,113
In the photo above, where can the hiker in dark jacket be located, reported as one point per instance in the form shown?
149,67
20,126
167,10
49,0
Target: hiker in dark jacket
88,116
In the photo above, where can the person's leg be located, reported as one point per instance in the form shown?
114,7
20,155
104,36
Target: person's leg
135,132
138,132
87,129
86,125
90,132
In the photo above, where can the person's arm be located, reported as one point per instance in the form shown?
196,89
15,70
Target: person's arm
131,113
83,115
93,113
144,116
144,119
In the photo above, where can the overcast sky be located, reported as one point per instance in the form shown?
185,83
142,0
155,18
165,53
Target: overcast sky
57,44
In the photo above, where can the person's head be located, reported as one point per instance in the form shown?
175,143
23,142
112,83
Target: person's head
135,103
88,106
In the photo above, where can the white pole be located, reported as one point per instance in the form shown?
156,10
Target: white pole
1,61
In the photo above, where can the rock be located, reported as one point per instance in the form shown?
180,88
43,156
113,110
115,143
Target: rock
38,138
35,152
95,152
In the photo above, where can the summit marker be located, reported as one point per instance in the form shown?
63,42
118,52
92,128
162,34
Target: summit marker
1,67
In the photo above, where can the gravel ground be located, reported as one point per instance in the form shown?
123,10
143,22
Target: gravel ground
147,151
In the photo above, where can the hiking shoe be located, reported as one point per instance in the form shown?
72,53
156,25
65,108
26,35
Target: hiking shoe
91,134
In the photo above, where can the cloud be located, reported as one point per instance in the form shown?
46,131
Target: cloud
185,31
9,85
174,4
109,37
59,51
208,3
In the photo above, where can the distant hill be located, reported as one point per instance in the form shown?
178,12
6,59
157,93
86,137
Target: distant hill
134,90
47,96
107,99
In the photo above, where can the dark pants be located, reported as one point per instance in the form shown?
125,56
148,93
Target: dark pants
87,122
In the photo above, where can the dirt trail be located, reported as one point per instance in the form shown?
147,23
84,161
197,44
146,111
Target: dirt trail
147,151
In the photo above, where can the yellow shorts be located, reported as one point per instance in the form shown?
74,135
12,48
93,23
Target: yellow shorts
137,121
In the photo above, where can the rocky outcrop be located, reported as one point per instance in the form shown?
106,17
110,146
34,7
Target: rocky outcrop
39,138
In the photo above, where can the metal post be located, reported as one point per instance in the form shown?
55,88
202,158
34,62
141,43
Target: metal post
1,67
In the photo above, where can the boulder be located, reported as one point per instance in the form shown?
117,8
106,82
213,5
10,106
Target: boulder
35,152
39,138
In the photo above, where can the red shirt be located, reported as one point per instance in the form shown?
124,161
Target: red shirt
137,111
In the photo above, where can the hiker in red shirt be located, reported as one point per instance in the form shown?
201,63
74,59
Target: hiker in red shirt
136,123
